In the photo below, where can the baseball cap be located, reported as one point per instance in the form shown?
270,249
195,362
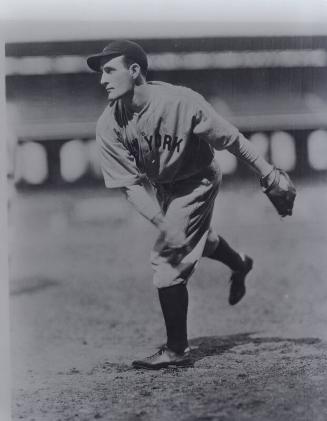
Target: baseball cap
117,48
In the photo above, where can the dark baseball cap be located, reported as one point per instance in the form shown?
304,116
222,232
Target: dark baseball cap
118,48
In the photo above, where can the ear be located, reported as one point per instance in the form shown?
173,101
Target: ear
135,70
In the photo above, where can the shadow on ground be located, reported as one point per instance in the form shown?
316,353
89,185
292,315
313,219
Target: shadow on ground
216,345
209,346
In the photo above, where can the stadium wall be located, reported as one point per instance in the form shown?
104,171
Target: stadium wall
273,89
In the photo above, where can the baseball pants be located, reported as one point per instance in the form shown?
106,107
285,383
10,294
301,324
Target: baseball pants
187,205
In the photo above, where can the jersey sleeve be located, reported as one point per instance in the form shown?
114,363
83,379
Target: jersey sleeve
118,165
210,126
221,134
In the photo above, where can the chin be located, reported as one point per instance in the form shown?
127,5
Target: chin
113,97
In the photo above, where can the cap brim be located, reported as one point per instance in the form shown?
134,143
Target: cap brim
95,62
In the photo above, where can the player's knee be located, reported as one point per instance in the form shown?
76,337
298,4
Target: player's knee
211,243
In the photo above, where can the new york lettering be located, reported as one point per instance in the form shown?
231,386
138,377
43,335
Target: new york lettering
165,142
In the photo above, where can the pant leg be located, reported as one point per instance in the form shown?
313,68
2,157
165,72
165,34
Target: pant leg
189,206
211,243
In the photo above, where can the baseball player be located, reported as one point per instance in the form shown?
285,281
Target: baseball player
167,135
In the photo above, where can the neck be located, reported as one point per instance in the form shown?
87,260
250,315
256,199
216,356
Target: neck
138,98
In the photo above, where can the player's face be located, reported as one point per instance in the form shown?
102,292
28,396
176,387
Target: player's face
116,78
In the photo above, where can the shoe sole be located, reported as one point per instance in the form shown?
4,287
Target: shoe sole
142,365
245,273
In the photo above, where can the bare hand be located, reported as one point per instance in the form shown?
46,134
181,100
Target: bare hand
174,237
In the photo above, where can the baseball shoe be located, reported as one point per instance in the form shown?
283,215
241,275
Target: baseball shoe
237,280
164,358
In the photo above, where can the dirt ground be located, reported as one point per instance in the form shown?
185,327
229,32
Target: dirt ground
83,307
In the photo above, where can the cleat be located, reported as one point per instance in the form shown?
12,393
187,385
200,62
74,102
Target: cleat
237,288
164,358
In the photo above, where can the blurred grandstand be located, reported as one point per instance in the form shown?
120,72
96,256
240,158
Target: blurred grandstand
272,88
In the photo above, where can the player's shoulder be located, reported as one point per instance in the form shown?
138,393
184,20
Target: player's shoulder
174,93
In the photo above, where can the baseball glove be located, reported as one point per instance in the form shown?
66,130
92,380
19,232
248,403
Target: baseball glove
280,190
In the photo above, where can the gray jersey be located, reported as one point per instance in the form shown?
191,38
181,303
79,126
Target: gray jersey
170,139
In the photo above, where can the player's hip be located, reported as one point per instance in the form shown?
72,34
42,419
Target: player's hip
208,177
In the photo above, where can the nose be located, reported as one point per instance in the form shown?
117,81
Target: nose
103,80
